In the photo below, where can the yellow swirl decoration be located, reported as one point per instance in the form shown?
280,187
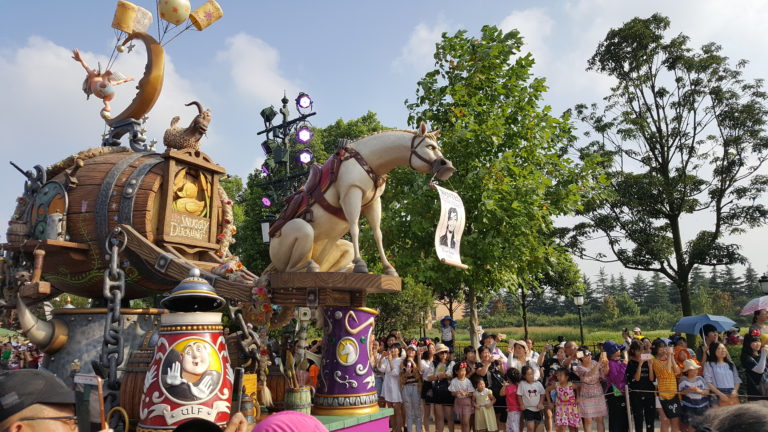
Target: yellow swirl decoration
358,329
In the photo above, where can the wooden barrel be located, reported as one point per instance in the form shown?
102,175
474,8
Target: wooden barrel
277,383
112,189
132,386
299,399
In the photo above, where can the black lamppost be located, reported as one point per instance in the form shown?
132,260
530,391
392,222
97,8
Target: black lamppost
578,300
763,281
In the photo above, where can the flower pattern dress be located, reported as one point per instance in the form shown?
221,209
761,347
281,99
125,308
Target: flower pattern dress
566,409
592,402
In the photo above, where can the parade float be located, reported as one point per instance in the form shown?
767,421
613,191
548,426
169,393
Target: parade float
123,221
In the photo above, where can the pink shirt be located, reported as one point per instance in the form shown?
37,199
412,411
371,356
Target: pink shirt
512,404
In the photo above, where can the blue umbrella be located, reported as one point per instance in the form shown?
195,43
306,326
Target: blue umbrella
693,324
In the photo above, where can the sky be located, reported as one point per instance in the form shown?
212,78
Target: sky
350,56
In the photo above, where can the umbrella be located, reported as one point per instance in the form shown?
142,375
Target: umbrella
693,324
755,305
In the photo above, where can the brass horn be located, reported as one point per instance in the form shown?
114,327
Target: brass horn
48,336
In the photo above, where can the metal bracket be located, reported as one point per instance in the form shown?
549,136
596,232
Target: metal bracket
134,129
162,262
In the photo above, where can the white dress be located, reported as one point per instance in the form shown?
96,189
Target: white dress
391,386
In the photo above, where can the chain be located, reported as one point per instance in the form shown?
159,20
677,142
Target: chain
114,290
249,340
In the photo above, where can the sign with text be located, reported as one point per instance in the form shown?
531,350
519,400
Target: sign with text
188,226
450,228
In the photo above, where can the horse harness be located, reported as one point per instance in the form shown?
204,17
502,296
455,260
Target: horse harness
321,178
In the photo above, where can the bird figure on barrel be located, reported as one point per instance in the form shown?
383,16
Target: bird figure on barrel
308,234
179,138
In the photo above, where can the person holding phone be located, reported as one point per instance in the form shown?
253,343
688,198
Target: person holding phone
640,379
666,371
592,405
616,381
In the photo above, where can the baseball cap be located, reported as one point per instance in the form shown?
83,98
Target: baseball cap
610,347
22,388
636,329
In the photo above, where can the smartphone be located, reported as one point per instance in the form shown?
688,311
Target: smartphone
579,355
646,356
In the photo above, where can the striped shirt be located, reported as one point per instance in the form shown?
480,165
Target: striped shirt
666,379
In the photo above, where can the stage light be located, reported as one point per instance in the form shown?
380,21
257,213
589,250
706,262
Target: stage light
266,201
265,170
304,134
268,114
305,156
267,147
303,101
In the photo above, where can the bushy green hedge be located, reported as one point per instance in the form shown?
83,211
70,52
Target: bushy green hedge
656,320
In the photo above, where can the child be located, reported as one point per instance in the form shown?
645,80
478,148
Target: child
566,407
461,388
695,394
531,397
485,418
513,405
666,372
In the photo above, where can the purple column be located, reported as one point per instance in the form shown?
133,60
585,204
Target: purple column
346,385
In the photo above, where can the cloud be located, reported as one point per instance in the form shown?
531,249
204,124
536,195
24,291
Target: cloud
254,67
418,52
535,26
45,116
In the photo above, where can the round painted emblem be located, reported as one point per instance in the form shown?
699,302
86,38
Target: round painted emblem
347,351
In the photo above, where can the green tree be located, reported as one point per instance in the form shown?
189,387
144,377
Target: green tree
638,289
750,286
685,132
514,173
402,311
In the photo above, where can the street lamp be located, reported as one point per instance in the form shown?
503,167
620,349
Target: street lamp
578,300
764,283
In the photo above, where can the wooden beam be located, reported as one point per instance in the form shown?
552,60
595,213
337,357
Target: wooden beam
369,283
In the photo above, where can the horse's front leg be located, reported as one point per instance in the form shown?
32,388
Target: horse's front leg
350,204
373,214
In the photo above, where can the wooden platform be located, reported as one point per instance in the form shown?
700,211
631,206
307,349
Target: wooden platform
330,288
376,422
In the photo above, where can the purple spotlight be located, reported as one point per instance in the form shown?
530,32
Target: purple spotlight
266,201
265,170
305,156
304,134
303,101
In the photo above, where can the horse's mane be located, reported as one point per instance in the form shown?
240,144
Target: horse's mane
429,135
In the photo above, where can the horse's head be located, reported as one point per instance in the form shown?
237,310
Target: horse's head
427,153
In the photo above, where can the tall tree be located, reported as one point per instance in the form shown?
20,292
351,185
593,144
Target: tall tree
686,135
638,289
514,173
750,286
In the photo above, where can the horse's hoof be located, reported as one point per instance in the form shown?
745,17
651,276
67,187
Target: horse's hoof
391,272
312,267
361,267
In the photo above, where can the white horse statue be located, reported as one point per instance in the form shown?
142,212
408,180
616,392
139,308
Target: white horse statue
307,236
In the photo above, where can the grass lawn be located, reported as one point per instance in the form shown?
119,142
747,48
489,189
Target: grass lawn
549,334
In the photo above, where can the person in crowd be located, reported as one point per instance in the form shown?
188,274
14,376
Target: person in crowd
532,354
682,353
732,337
721,376
753,360
461,388
626,337
378,371
646,345
616,381
550,368
592,408
493,373
710,336
488,340
391,365
427,371
740,418
637,333
448,331
566,407
759,319
410,382
531,397
484,418
694,393
470,357
441,380
519,357
571,359
640,380
666,372
513,405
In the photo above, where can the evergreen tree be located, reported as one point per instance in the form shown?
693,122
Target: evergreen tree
714,279
638,289
601,284
729,282
658,295
699,280
621,285
750,286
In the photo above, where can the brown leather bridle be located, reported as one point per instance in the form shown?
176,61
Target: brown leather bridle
414,147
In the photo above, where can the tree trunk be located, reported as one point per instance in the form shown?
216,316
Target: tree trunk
685,302
473,320
524,311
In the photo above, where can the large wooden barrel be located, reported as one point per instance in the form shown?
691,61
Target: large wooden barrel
113,188
277,383
132,384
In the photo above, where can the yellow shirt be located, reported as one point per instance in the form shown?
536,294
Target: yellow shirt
666,378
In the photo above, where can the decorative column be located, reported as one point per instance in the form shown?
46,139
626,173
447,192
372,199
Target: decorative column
346,385
190,375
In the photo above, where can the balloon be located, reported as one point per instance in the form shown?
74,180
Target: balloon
125,15
143,20
208,13
174,11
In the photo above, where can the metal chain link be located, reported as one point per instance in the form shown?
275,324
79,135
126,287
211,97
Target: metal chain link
112,355
249,340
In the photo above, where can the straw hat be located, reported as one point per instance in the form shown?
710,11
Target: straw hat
690,364
440,348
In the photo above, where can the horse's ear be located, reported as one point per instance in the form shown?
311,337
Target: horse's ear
422,128
436,133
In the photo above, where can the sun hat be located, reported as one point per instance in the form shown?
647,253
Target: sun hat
690,364
636,330
610,347
412,346
440,348
521,343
